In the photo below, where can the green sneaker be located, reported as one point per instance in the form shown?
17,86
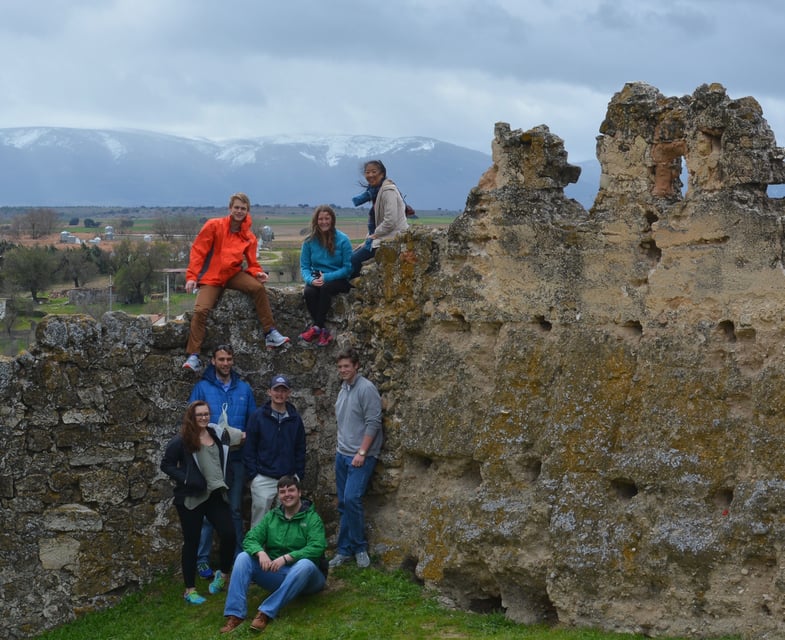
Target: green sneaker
191,597
218,583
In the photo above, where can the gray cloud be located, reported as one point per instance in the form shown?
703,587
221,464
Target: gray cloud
448,69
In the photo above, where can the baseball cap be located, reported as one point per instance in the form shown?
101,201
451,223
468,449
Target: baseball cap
280,381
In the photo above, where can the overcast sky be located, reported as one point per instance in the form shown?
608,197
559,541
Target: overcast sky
446,69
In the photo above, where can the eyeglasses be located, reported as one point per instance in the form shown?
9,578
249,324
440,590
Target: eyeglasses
202,415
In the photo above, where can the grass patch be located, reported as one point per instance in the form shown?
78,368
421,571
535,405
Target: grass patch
357,605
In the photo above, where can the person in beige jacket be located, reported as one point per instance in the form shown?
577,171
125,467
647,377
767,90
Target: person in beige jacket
387,216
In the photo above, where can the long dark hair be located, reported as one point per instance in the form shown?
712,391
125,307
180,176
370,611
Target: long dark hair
190,428
327,240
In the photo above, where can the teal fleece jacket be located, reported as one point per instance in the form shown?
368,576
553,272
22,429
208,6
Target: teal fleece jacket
315,257
301,537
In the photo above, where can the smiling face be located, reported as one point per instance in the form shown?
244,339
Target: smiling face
324,221
223,361
278,397
347,370
202,416
373,174
289,497
238,210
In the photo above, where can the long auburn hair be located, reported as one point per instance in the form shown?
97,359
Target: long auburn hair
190,428
327,240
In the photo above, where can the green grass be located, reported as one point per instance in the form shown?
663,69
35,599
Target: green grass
357,605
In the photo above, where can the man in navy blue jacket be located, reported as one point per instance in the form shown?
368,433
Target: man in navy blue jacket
220,385
274,447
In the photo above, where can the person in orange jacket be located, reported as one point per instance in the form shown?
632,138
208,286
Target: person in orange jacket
216,263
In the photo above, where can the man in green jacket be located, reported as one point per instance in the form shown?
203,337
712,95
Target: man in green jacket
282,554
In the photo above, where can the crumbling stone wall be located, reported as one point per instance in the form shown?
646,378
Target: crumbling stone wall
583,408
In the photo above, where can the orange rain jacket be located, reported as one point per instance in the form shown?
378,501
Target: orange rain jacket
217,254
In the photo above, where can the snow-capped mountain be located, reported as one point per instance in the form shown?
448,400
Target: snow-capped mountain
47,166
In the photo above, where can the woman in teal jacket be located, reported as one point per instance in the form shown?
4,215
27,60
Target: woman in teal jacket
325,266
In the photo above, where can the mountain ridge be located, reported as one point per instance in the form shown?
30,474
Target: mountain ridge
62,166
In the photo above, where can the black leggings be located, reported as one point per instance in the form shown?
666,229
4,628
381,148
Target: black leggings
219,514
319,299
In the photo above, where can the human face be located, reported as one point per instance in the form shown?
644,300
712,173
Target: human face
238,210
373,176
324,221
223,362
347,370
202,415
278,397
289,497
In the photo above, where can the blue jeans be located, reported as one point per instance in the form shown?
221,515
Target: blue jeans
236,504
285,584
360,255
351,483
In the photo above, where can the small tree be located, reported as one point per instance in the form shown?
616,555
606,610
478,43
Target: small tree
15,307
170,226
77,265
137,265
31,268
40,222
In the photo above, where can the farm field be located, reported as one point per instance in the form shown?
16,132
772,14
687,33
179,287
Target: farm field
289,226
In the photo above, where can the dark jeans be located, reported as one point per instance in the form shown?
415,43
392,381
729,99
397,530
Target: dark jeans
360,255
319,299
219,513
236,504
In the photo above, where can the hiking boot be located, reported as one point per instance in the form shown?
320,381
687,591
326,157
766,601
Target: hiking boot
324,339
204,570
338,560
274,339
310,335
362,559
218,583
260,622
193,363
191,597
232,622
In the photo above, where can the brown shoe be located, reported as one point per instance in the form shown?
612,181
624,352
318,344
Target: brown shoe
232,622
259,623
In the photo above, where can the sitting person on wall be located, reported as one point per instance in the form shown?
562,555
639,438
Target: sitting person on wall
325,266
387,216
216,263
196,459
283,555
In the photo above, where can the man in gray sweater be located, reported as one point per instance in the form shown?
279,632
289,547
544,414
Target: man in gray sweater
358,412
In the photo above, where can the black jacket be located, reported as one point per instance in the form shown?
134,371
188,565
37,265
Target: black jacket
183,468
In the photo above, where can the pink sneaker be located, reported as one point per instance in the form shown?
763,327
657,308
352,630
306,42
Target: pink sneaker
324,339
310,335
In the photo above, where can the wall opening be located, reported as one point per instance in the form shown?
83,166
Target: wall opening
727,330
624,488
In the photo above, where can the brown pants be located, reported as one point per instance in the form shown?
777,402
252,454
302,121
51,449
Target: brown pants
208,296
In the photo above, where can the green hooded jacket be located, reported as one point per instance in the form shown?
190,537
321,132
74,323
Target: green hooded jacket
301,537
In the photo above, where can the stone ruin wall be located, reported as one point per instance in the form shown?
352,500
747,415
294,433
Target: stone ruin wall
583,409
